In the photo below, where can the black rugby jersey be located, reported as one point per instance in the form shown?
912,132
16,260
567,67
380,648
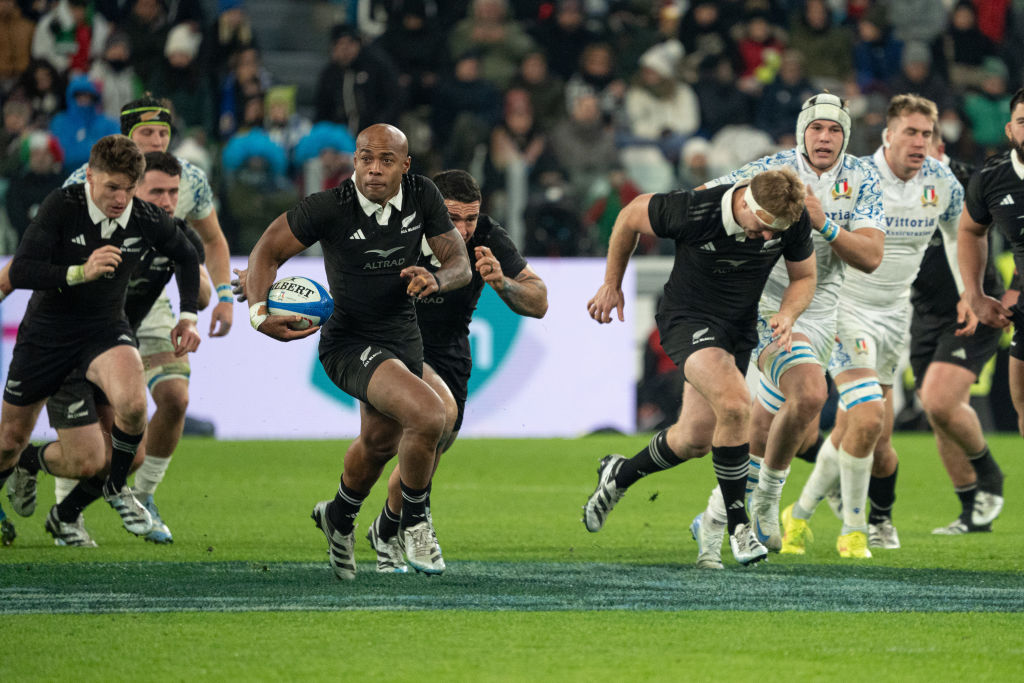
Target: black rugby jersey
363,259
153,272
996,195
444,317
63,235
715,274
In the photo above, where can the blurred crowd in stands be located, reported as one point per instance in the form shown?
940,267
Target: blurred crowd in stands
563,109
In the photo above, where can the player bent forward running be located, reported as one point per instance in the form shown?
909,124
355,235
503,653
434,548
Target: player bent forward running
81,452
370,228
79,253
728,239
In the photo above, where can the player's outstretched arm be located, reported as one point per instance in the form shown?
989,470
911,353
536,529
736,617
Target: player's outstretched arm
275,246
972,252
631,222
526,293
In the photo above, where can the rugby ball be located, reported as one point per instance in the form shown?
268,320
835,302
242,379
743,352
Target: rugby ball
300,296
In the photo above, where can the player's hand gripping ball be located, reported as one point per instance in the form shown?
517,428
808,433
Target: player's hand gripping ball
300,296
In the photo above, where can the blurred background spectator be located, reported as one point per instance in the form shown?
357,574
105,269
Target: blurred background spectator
15,44
40,171
82,123
114,72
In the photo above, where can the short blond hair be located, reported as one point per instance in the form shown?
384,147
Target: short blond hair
781,193
901,105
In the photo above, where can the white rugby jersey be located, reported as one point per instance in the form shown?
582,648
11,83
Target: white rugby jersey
850,197
195,196
932,199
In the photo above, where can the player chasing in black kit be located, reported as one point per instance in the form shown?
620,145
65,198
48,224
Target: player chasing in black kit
995,196
370,228
947,357
79,254
80,452
728,239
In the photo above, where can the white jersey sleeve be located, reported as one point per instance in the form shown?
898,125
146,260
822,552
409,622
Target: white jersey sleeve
195,198
77,177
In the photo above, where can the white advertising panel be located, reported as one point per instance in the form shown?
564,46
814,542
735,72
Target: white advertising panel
561,376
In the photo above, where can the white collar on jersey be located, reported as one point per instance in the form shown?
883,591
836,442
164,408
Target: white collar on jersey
383,213
1018,163
830,175
107,225
728,219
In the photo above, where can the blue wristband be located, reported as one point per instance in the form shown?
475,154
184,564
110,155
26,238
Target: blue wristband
224,294
830,231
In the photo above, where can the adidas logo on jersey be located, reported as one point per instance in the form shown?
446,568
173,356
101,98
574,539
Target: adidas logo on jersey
79,239
707,247
357,235
1007,200
959,353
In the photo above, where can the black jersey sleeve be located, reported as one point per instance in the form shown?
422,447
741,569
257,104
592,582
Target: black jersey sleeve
669,213
435,213
166,238
32,267
796,242
974,200
504,249
309,218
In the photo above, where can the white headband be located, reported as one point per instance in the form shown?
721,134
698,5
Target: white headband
777,224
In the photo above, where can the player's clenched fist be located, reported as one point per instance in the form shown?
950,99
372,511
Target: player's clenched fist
104,260
421,281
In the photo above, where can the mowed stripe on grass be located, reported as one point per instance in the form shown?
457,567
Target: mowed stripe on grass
131,587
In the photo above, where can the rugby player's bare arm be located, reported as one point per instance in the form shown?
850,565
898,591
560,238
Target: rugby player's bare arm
526,294
803,280
218,260
862,249
633,221
275,246
450,250
972,252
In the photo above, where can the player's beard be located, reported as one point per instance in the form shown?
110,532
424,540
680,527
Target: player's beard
1019,146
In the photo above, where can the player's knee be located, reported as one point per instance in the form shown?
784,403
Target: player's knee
13,440
172,397
938,408
867,419
85,463
734,410
808,402
429,419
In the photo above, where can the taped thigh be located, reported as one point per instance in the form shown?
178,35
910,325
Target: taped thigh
859,391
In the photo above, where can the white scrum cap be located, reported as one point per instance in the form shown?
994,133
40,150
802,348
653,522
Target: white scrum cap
822,106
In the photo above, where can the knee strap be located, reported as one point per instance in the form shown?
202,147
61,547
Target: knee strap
859,391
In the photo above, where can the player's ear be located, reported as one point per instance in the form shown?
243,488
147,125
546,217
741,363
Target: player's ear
886,141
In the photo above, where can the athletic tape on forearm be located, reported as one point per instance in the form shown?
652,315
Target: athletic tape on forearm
185,315
76,275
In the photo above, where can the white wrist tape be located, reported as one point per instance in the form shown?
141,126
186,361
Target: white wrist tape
255,317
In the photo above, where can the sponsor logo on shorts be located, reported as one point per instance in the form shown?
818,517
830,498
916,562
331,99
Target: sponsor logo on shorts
12,384
75,410
368,355
125,338
699,338
860,345
959,353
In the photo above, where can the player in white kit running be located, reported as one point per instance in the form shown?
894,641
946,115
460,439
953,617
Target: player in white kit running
919,194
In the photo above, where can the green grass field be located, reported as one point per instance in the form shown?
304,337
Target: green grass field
246,592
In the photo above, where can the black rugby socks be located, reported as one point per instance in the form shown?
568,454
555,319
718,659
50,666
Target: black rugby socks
655,457
731,465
